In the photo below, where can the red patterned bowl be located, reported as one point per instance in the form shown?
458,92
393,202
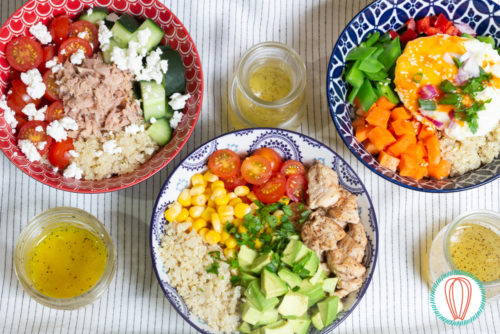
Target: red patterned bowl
176,35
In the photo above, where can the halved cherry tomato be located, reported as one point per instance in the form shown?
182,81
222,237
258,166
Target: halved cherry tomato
256,169
233,182
296,187
19,98
72,45
14,74
52,91
272,190
29,131
59,28
54,112
271,155
293,167
23,53
85,27
20,122
224,163
49,52
59,155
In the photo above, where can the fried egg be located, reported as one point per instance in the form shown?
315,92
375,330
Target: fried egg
429,61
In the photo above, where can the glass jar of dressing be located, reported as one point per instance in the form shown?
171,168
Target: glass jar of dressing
65,258
470,243
269,88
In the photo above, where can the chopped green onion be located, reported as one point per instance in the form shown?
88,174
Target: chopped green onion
417,77
458,62
428,105
487,39
467,36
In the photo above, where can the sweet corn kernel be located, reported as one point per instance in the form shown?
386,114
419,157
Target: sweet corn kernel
232,195
222,200
242,229
241,210
173,211
216,222
218,192
285,200
224,236
241,191
183,215
237,222
211,203
217,184
251,196
198,180
212,237
210,177
258,243
231,242
207,214
196,211
189,220
197,190
199,200
202,232
224,219
229,253
278,214
199,224
225,210
235,201
184,198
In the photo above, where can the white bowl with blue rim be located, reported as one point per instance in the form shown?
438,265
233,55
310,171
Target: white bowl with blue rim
383,15
290,145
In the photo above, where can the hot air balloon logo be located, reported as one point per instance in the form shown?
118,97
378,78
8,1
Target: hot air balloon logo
458,294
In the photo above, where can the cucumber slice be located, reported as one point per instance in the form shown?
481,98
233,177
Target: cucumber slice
160,131
106,55
154,37
153,100
94,15
175,79
124,29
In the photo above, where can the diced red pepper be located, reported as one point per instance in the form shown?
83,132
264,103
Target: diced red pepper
453,31
423,25
433,20
409,35
411,24
431,31
393,34
442,23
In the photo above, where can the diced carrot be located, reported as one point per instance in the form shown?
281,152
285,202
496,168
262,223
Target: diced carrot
411,167
400,113
433,149
371,148
402,144
362,132
418,150
402,127
381,137
441,170
425,132
384,103
378,117
388,161
360,121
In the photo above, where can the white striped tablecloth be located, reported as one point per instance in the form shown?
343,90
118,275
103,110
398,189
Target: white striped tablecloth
397,300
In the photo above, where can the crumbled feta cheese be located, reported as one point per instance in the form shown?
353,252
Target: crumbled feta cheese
77,57
69,123
83,35
119,58
143,36
39,129
33,113
178,101
111,148
98,153
112,17
52,62
134,129
41,145
176,119
73,171
57,129
90,11
55,169
29,150
155,68
152,120
104,36
73,153
8,114
41,33
63,52
34,82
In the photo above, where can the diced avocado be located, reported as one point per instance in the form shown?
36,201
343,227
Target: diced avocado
280,327
268,317
154,36
319,276
245,328
260,262
294,237
293,304
250,314
272,285
160,132
291,278
175,79
246,256
246,279
312,264
313,291
255,296
303,252
290,252
328,309
257,331
300,325
317,321
330,284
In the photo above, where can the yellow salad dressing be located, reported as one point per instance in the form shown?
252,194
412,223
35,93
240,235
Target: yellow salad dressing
270,82
476,249
67,262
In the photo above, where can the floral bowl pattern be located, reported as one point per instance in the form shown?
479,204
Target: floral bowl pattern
290,145
176,35
382,15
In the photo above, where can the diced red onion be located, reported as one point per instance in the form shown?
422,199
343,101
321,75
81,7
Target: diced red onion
438,124
451,114
465,29
452,124
428,92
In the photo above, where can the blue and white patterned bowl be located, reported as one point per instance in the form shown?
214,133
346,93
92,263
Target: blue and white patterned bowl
382,15
290,145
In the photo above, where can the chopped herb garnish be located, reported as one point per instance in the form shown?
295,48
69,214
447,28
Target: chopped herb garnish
458,62
417,77
287,210
201,289
215,254
451,99
233,263
298,267
304,216
447,87
213,268
428,105
235,280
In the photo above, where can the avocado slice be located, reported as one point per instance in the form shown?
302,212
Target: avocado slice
293,304
245,328
280,327
312,264
300,325
246,256
313,291
317,321
246,278
260,262
330,284
290,252
272,285
268,317
252,316
255,296
291,278
319,276
328,309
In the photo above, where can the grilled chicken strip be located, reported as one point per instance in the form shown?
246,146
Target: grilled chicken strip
321,233
323,187
346,209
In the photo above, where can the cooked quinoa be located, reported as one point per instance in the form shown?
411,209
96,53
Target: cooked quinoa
212,298
471,153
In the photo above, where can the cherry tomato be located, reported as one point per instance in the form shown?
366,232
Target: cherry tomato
296,187
24,54
59,155
293,167
59,28
19,98
20,122
72,45
85,27
54,112
49,52
272,190
233,182
52,91
271,155
256,169
29,131
224,163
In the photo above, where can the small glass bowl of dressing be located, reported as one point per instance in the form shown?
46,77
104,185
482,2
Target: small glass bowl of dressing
65,258
470,243
269,88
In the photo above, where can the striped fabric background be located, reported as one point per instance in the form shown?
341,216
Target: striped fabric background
398,298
